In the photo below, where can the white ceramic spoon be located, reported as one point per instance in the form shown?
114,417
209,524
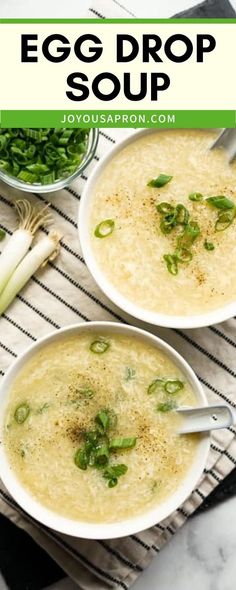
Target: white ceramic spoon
206,418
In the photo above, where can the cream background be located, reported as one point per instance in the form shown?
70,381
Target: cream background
214,531
43,85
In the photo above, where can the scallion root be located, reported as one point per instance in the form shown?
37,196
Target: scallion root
30,220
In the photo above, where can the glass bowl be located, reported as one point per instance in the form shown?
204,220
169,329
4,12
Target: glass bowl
61,182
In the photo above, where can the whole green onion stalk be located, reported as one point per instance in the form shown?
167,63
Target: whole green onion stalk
30,220
46,249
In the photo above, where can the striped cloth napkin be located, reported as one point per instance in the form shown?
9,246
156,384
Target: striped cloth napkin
65,293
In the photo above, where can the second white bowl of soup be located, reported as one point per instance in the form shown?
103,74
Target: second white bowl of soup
89,430
157,228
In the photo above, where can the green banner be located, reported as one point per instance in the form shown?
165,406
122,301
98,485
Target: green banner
107,118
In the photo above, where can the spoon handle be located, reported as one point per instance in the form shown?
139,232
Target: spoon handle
204,419
227,140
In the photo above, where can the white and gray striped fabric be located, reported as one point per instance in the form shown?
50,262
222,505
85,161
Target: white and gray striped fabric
65,293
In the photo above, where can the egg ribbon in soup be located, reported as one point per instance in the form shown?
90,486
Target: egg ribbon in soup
90,429
165,208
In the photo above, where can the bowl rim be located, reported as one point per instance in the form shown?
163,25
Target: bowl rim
159,319
126,526
60,183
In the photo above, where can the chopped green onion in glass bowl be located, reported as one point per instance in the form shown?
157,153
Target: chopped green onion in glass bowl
45,160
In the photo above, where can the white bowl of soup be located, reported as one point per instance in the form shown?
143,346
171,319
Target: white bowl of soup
157,225
89,430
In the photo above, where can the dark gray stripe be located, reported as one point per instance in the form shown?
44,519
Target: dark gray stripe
55,208
222,335
183,512
219,393
40,313
85,560
205,352
165,528
231,429
75,283
96,13
155,548
8,349
159,526
140,542
123,7
224,452
86,292
143,544
62,542
11,321
107,136
213,474
137,540
71,191
59,298
9,203
120,557
179,332
96,300
199,493
67,248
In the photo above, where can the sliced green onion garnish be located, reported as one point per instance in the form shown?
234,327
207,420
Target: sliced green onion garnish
167,224
183,255
173,385
102,419
129,373
122,443
26,176
21,413
112,418
96,450
92,437
160,181
190,234
42,155
225,219
209,246
101,455
112,482
81,459
195,197
113,472
50,178
104,229
164,208
182,214
99,346
2,234
221,202
156,385
166,406
171,263
43,408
